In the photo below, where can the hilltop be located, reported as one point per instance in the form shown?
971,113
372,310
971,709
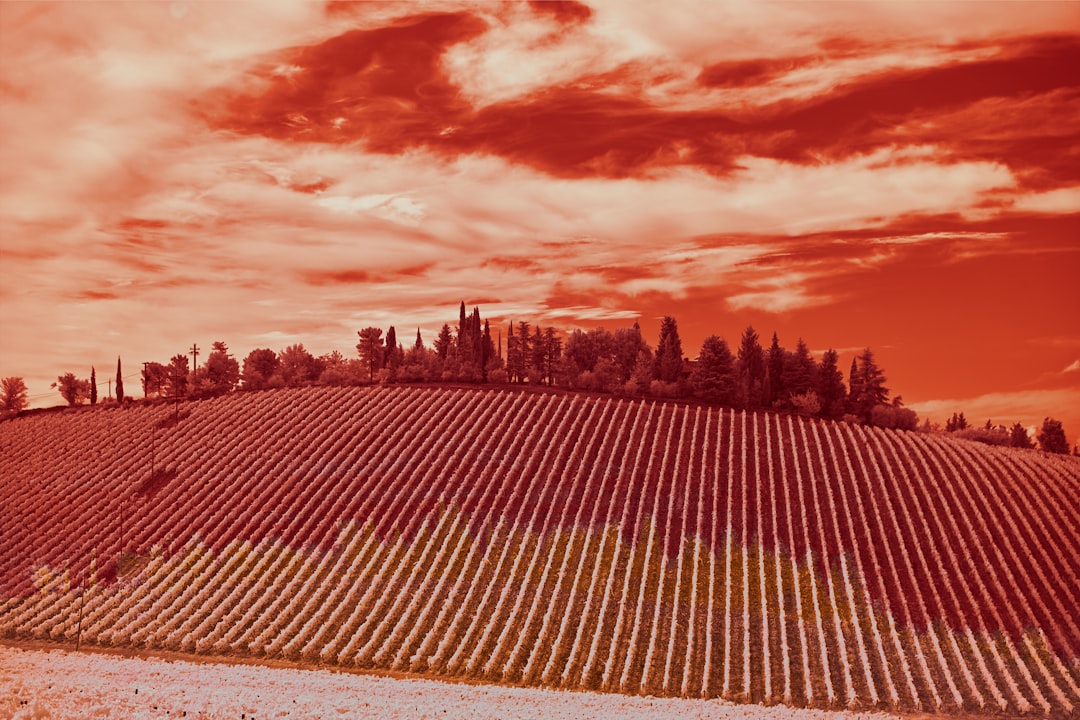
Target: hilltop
552,539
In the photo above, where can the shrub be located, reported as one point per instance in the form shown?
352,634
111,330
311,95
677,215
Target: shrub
807,404
993,436
890,416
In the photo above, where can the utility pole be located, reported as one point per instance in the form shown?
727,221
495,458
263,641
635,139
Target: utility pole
110,389
194,358
145,380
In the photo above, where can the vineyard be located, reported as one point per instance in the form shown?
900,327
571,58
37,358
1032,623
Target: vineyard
556,540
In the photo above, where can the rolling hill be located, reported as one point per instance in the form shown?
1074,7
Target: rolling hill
552,539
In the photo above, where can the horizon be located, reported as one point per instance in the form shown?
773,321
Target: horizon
899,176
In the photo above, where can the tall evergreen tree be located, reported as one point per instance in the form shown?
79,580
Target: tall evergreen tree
552,352
539,358
93,386
1051,437
774,365
713,377
830,386
393,355
391,341
444,343
513,357
668,362
524,351
1019,438
871,385
419,344
800,371
751,370
119,382
489,359
854,387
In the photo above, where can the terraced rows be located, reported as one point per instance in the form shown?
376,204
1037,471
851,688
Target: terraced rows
553,539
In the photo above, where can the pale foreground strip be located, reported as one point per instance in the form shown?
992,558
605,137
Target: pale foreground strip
60,684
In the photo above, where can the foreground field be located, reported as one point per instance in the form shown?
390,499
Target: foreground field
553,540
68,686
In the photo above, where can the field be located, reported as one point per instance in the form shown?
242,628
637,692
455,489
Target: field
553,540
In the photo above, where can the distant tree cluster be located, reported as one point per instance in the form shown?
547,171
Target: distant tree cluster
1051,436
750,377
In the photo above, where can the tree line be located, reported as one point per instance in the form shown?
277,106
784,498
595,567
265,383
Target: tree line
751,376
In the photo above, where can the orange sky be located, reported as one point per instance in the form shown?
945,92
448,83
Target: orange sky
903,175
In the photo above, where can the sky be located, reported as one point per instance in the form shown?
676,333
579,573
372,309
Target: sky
903,176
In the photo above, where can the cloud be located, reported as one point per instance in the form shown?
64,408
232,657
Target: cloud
1073,367
315,168
397,208
1053,202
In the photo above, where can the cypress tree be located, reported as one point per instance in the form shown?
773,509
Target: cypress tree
93,386
871,386
119,382
853,386
524,347
777,386
830,387
751,369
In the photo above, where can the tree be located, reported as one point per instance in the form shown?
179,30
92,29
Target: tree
93,386
871,386
854,382
956,422
492,360
72,388
394,355
799,374
444,343
713,376
260,365
298,367
668,362
627,344
222,370
751,370
1051,437
370,348
552,353
119,382
155,376
13,394
774,362
830,386
1019,438
178,376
